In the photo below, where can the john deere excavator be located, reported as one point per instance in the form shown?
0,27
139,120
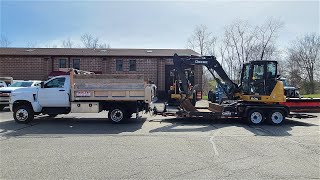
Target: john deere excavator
257,98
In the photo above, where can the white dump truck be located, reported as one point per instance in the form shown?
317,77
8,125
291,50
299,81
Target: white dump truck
84,92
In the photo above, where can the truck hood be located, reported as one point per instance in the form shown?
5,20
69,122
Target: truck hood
25,90
9,89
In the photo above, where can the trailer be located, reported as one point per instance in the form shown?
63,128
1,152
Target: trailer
257,98
85,92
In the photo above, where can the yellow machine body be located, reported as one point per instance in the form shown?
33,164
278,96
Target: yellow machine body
276,96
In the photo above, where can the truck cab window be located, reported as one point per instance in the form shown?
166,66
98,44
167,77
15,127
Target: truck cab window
55,83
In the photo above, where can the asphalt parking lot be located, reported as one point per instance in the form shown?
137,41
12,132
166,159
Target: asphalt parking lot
87,146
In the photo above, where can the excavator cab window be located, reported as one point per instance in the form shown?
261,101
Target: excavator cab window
271,78
245,79
259,77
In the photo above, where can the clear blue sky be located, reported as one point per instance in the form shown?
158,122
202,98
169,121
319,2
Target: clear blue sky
133,24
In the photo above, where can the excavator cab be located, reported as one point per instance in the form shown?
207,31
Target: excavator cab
258,77
259,82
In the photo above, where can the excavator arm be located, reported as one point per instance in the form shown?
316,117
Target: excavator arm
180,64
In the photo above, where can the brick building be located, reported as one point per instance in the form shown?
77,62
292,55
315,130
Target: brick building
40,63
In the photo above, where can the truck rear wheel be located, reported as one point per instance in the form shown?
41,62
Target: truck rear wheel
23,114
117,114
276,117
255,117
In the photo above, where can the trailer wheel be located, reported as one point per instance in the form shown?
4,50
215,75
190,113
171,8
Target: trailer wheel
255,117
117,114
23,114
276,117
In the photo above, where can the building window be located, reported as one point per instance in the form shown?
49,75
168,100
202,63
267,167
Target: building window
119,65
76,63
132,65
62,63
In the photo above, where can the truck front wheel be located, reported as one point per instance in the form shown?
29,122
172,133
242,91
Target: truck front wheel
23,114
117,114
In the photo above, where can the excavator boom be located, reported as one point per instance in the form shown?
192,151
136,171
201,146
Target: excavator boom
212,64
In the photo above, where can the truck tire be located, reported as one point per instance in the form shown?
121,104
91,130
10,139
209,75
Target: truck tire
255,117
276,117
117,114
23,114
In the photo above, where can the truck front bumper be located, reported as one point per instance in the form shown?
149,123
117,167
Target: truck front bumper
4,100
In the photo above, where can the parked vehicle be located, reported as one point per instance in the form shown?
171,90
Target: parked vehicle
5,81
290,91
84,92
6,91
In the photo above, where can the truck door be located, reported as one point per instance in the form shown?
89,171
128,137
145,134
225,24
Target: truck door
54,93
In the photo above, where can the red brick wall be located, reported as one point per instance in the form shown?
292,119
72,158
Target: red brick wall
38,68
146,66
86,63
25,68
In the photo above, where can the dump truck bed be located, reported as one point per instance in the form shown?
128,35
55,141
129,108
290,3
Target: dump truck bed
111,87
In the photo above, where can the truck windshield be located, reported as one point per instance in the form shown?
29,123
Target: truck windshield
21,84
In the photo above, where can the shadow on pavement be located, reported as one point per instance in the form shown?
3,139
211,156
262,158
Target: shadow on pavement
47,125
203,125
103,126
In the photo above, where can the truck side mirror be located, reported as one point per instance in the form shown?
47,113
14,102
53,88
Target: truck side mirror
42,84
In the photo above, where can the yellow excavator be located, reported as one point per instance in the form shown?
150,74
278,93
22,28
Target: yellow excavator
257,98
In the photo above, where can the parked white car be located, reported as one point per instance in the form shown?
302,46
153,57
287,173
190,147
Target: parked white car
5,81
17,84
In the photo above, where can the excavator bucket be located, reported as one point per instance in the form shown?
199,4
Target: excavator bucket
214,107
186,104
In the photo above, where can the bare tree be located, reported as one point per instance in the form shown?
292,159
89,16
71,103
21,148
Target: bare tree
89,41
67,43
202,40
4,41
306,53
243,43
104,46
32,44
267,34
